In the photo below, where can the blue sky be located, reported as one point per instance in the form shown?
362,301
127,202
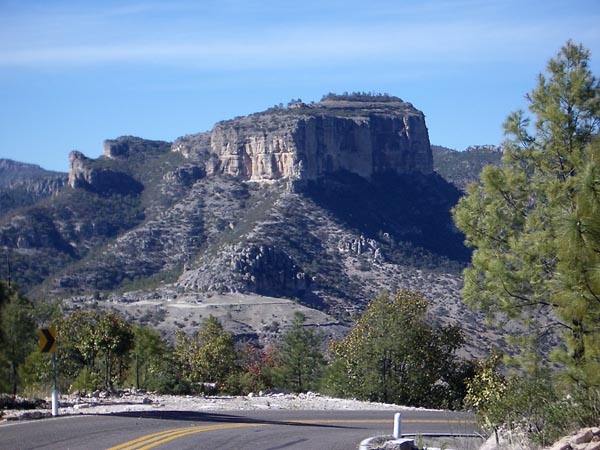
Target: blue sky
73,73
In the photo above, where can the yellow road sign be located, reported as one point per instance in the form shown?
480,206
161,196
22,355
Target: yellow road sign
47,342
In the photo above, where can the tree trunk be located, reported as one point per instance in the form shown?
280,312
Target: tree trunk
14,366
107,372
137,372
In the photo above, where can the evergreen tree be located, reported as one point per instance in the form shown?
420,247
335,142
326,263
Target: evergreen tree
148,354
301,358
533,220
577,278
18,335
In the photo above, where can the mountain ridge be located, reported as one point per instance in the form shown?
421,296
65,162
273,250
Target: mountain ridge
23,184
206,215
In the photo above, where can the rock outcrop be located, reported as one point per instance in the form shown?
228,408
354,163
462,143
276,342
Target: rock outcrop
365,135
126,146
84,174
263,269
584,439
24,184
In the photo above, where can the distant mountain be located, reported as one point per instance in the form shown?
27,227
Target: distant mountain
24,184
13,172
463,167
327,203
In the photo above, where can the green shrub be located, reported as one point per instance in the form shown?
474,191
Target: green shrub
87,381
530,402
395,355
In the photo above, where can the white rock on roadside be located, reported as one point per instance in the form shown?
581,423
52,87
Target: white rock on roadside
132,401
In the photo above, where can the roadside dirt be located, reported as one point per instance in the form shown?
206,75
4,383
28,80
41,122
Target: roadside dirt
128,401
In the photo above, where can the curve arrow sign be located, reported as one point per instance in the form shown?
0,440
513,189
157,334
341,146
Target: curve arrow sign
47,342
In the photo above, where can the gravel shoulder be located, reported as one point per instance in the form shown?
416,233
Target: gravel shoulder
128,401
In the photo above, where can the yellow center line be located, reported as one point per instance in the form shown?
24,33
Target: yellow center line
448,421
147,438
153,440
156,439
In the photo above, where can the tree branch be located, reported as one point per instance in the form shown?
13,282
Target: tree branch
528,301
589,288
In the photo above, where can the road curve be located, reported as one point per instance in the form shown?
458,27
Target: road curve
266,430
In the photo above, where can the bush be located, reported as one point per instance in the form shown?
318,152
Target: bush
87,381
395,355
530,403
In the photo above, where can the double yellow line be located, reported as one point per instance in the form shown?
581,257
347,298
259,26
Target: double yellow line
153,440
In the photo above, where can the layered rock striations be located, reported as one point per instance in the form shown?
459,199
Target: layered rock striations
365,135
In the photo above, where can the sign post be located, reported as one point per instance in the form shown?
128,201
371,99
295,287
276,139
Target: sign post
47,344
54,389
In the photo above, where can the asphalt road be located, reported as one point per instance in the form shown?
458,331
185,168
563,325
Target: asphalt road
266,430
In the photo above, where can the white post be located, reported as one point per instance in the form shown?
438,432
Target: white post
397,425
54,402
54,389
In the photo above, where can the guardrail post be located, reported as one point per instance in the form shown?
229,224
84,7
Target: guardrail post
397,425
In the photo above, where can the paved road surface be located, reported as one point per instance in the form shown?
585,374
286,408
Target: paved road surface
267,430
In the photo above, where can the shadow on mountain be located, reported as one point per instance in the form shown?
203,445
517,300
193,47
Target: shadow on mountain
408,213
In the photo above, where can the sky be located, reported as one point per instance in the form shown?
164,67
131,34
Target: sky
73,73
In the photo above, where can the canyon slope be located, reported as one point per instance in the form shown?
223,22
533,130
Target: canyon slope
324,205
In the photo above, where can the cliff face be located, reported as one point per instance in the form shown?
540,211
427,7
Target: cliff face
83,174
103,177
366,146
305,142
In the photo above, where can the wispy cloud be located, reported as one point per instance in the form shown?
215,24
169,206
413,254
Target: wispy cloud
134,34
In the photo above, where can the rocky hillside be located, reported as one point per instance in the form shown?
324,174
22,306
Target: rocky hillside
326,204
25,184
462,168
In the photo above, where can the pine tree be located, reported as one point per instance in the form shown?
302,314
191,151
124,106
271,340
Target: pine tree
534,257
148,356
577,279
18,335
301,356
